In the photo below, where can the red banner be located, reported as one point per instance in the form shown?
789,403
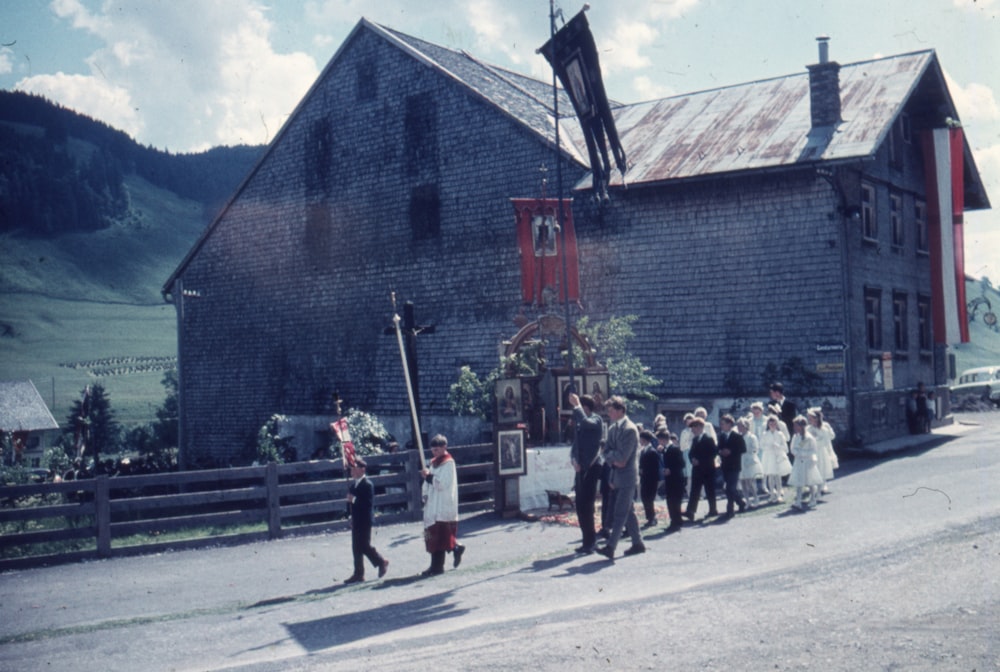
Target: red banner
944,153
541,245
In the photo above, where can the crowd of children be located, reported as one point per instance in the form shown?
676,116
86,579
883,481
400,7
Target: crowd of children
753,457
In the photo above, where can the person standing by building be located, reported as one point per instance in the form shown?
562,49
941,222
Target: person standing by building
703,453
824,435
674,480
440,492
650,469
361,500
731,450
622,452
585,455
805,476
774,458
783,407
750,469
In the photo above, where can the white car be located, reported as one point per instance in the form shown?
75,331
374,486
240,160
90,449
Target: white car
980,383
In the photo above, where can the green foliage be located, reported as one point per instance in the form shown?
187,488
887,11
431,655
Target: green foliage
271,447
165,427
368,434
47,191
57,459
467,395
471,396
628,376
92,416
798,380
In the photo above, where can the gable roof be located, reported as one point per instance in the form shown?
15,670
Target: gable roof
22,408
766,124
754,126
525,99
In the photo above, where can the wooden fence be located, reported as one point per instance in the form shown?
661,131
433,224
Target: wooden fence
103,517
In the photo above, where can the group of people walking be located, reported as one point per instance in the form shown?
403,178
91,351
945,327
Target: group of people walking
753,458
439,491
755,455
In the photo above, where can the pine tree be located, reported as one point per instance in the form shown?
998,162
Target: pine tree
95,430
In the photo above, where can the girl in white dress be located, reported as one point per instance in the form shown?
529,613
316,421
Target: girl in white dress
750,467
826,458
758,423
805,477
774,458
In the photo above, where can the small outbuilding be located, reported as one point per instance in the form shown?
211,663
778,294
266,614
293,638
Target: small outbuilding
27,420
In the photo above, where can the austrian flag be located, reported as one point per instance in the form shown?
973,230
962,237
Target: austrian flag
943,160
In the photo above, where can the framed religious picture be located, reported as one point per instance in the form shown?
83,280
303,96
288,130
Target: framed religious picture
510,453
566,385
509,406
596,385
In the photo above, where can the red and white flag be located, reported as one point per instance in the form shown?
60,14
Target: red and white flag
944,150
346,445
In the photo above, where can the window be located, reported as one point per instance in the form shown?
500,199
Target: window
900,327
869,223
906,130
421,134
920,219
924,323
367,80
899,136
425,211
873,318
896,221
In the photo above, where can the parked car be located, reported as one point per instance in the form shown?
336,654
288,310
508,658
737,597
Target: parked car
979,384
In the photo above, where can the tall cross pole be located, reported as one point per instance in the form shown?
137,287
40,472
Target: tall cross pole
406,330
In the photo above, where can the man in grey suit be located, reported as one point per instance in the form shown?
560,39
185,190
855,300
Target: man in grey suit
622,452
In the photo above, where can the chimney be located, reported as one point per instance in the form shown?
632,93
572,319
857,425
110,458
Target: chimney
824,87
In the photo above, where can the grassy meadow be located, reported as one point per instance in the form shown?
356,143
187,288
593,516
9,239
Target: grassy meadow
83,309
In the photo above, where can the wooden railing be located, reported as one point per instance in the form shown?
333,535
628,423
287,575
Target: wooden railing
123,515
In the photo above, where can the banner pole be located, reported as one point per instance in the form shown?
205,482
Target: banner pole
417,440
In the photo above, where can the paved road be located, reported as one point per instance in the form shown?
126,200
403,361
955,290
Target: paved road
897,569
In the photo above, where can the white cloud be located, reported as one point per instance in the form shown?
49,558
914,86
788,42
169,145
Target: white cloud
974,4
622,50
92,96
975,102
646,89
184,75
669,9
6,65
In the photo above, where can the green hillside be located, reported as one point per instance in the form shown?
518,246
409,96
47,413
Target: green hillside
91,226
86,308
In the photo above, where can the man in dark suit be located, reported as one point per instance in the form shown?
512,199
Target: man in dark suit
588,433
621,451
732,446
361,500
783,407
703,453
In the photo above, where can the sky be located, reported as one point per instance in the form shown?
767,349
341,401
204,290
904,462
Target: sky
187,75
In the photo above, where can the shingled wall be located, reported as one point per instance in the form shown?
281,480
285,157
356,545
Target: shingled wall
293,282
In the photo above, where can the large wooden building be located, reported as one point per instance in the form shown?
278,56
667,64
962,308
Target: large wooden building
776,225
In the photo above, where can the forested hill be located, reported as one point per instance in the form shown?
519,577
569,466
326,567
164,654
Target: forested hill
62,172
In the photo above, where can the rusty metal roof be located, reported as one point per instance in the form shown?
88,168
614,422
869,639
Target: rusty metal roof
763,124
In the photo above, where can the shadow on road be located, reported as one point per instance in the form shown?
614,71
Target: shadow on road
324,633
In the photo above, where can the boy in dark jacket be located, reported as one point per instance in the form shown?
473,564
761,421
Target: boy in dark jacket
361,500
650,468
674,478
